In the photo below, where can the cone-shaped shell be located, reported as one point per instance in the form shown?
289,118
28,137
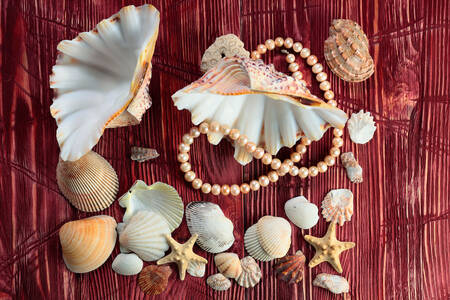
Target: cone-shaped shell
251,273
272,109
127,264
337,206
228,264
153,279
144,234
101,78
86,244
290,268
141,154
274,235
218,282
90,183
160,198
301,212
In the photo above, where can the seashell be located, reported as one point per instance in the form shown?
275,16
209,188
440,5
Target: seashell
153,279
141,154
228,264
160,198
354,170
227,45
290,268
119,229
301,212
90,183
274,234
218,282
272,109
337,206
196,269
251,273
253,246
361,127
127,264
334,283
87,243
144,234
101,78
215,231
346,51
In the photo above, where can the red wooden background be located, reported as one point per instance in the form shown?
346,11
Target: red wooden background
401,219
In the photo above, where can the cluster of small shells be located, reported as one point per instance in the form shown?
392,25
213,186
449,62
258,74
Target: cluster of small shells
354,170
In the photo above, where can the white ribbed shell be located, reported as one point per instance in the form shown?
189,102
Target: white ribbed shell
301,212
127,264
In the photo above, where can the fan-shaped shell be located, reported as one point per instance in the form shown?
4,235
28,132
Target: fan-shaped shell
141,154
215,231
290,268
253,246
127,264
301,212
144,234
90,183
251,273
346,51
101,78
227,45
337,206
86,244
272,109
218,282
196,269
361,127
160,198
153,279
228,264
354,170
334,283
274,235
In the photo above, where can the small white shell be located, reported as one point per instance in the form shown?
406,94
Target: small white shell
227,45
337,206
252,245
251,273
301,212
334,283
354,170
218,282
196,269
127,264
215,231
361,127
228,264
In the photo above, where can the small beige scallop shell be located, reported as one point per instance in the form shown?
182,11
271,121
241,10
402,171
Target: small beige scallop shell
228,264
141,154
361,127
227,45
218,282
334,283
251,273
196,269
127,264
354,170
346,51
337,206
90,183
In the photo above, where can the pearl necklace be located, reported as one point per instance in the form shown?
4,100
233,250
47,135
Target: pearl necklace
278,168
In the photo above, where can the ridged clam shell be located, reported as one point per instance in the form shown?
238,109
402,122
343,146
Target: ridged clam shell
90,183
160,198
274,235
337,206
196,269
301,212
153,279
144,234
87,243
215,231
290,268
127,264
354,170
218,282
251,273
346,51
227,45
361,127
334,283
228,264
141,154
253,246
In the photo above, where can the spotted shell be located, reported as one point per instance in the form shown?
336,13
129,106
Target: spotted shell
337,206
218,282
290,267
251,273
346,51
227,45
153,279
141,154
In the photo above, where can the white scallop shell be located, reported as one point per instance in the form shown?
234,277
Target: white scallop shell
354,170
251,273
361,127
144,234
334,283
196,269
120,227
274,235
253,246
160,198
228,264
127,264
218,282
301,212
215,231
337,206
101,78
227,45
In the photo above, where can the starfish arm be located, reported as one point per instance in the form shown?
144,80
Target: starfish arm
335,263
199,259
331,232
171,241
192,240
182,267
317,259
349,245
311,239
165,260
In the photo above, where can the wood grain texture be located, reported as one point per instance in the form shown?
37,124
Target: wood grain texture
401,219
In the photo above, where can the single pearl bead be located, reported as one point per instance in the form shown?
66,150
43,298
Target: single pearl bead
290,58
329,160
297,47
338,132
293,171
301,148
197,183
295,156
235,190
313,171
245,188
261,49
303,172
288,42
225,129
215,189
189,176
184,148
329,95
311,60
183,157
273,176
225,190
334,151
187,139
306,141
305,52
276,163
325,85
267,158
284,168
234,134
297,75
194,132
214,126
204,128
185,167
322,76
263,180
256,55
254,185
206,188
250,147
338,142
242,140
317,68
279,42
332,103
259,153
270,44
322,167
293,67
289,162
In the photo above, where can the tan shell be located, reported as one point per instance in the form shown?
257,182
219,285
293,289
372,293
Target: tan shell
218,282
346,51
337,206
141,154
251,273
228,264
354,170
227,45
274,235
153,279
86,244
90,183
290,268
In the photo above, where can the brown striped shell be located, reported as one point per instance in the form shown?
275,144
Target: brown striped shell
347,51
153,279
290,268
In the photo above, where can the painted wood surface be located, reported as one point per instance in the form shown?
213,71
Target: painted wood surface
401,219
